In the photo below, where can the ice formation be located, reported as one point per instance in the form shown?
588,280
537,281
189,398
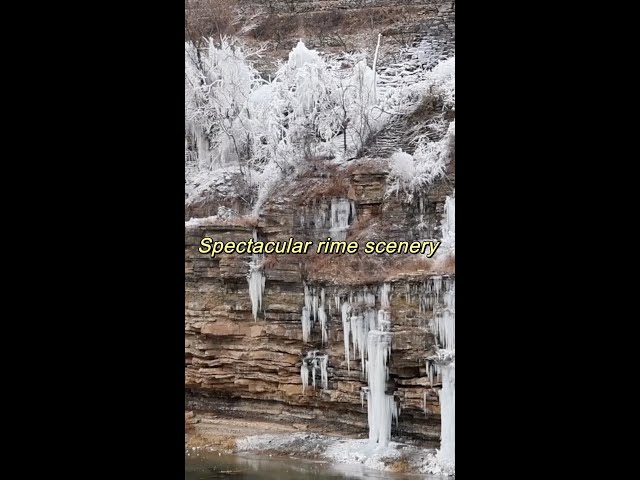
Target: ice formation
322,317
346,328
441,368
359,316
367,333
448,228
342,215
447,396
256,281
385,290
329,218
449,219
444,320
381,407
427,294
314,362
314,310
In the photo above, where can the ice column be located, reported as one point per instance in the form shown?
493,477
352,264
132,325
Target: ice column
442,367
256,281
381,407
447,394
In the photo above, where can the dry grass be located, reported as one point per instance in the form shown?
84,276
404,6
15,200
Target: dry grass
361,268
400,466
334,183
218,442
362,228
204,18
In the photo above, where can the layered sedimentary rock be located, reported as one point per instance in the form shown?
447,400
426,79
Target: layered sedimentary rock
240,365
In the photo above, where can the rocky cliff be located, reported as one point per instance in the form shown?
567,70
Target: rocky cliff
238,365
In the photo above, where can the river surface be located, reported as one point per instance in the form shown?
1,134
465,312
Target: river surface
210,466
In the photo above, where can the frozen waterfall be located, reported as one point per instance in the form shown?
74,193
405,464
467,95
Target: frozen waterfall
441,368
381,408
447,394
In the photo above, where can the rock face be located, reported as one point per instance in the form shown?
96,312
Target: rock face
245,367
240,366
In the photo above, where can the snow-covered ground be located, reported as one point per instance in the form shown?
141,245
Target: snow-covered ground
344,451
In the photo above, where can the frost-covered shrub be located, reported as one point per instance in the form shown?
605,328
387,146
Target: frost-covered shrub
218,82
410,173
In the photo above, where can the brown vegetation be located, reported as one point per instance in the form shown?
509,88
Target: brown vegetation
400,466
361,268
209,18
217,442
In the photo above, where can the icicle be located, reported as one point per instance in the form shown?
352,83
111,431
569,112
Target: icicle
304,374
314,304
256,281
384,324
385,290
447,395
370,317
381,407
322,316
364,391
318,364
369,299
309,311
306,324
323,371
359,331
437,285
346,328
320,218
444,321
341,218
314,364
448,224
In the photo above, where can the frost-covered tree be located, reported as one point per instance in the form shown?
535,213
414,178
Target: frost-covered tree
313,107
218,82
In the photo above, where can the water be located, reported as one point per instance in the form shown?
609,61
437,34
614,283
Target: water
210,466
